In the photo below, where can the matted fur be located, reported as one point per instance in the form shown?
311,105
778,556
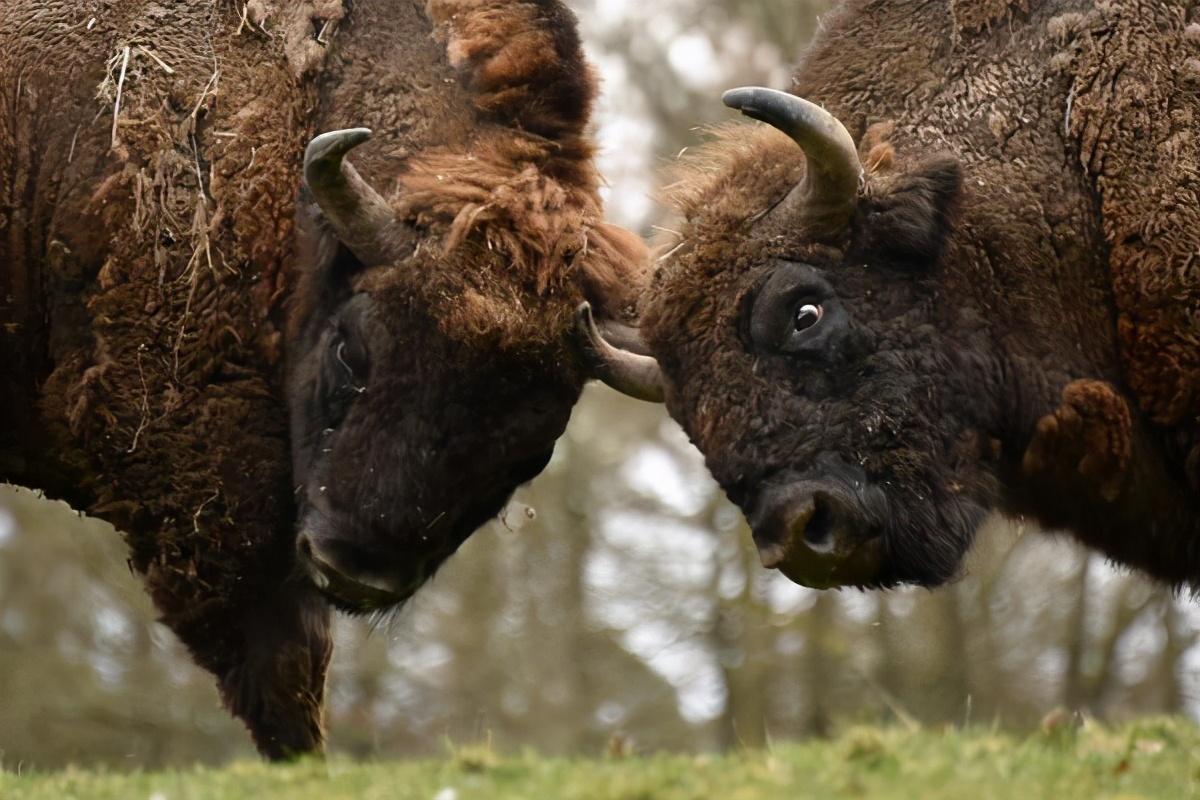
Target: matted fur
525,185
724,176
1135,114
147,249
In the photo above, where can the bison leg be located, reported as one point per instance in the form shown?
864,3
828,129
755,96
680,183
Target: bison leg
277,684
279,689
1088,436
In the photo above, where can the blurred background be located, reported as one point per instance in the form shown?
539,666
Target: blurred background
618,603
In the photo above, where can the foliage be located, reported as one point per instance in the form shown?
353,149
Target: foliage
1150,759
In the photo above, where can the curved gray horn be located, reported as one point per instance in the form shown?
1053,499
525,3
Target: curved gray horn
831,181
629,373
361,218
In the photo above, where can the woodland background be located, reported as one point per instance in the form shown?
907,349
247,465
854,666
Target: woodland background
631,610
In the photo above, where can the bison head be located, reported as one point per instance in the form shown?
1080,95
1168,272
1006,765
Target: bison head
803,335
424,385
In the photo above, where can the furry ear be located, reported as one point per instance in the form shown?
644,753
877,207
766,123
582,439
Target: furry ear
906,217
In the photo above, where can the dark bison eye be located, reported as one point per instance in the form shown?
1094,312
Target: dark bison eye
807,315
795,311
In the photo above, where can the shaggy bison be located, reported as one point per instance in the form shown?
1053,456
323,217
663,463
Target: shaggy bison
151,246
964,274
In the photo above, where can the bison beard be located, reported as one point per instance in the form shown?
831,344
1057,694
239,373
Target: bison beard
1032,327
146,255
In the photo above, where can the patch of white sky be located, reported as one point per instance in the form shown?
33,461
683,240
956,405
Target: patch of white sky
639,555
626,155
676,482
625,129
8,526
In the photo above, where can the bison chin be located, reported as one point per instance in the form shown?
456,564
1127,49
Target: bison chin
347,588
834,527
927,539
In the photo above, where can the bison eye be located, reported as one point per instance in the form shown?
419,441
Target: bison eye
807,316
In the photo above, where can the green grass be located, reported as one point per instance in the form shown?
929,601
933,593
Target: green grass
1149,759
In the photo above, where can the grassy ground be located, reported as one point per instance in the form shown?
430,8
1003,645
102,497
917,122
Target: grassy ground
1150,759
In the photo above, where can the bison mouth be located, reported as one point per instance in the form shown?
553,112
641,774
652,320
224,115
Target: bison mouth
354,594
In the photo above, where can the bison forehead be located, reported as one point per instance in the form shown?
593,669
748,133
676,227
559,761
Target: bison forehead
700,288
740,173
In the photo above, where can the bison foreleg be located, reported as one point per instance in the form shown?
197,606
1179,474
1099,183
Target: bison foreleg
1088,436
278,687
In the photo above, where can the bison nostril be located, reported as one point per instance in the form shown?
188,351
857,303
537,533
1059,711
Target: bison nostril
819,529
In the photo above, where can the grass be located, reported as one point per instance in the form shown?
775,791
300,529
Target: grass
1157,758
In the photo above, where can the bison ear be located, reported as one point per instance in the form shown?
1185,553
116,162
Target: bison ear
906,218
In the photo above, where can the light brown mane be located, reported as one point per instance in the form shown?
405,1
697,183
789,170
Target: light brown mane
525,186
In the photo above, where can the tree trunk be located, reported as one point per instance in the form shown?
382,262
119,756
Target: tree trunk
818,666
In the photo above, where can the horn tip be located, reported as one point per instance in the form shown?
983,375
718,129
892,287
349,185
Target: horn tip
736,98
744,96
335,143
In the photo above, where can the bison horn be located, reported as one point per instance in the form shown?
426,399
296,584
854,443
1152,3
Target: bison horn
362,219
830,186
629,373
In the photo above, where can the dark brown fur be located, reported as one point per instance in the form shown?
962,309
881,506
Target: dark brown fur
424,391
1035,331
143,277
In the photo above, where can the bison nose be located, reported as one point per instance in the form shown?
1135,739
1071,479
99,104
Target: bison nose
328,566
814,534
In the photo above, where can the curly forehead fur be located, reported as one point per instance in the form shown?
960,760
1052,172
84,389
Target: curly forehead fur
726,187
735,174
512,217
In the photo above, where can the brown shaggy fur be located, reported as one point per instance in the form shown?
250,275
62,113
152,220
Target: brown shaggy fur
524,185
146,253
1135,114
1091,429
1073,247
975,15
150,239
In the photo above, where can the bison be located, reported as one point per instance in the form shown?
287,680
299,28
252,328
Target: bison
962,275
231,375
